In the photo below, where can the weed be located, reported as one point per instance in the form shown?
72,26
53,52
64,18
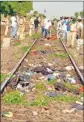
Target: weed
36,36
61,55
70,86
66,98
41,86
40,101
13,97
16,43
2,77
24,48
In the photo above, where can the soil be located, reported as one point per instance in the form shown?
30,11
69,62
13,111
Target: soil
51,113
11,55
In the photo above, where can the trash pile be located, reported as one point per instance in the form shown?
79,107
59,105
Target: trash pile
23,82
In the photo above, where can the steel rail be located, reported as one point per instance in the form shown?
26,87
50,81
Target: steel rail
74,64
15,68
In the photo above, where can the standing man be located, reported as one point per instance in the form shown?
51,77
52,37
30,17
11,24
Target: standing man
14,27
73,31
47,28
79,28
36,24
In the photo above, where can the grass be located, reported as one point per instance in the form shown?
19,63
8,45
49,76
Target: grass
36,36
24,48
41,87
17,55
45,100
61,55
70,86
2,77
16,43
14,97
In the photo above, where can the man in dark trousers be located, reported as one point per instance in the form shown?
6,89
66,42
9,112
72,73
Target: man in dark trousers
36,23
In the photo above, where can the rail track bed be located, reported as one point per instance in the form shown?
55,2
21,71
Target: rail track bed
43,86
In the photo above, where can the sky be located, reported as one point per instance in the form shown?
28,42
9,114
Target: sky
57,9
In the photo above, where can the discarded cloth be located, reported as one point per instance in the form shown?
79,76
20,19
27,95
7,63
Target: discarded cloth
78,106
42,69
14,81
50,77
71,80
62,87
25,87
52,94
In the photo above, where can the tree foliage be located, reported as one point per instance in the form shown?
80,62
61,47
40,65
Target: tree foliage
81,14
76,14
20,7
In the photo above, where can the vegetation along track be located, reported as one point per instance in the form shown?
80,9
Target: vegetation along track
43,53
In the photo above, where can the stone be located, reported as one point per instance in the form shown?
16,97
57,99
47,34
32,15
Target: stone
34,113
6,42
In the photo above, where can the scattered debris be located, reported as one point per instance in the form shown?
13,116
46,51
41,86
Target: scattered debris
52,94
78,106
45,70
47,44
71,80
34,113
69,111
50,77
7,114
69,68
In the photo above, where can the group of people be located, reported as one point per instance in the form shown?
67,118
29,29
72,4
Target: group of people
43,25
16,25
70,29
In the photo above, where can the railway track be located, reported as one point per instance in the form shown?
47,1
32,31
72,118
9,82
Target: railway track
74,64
41,53
4,84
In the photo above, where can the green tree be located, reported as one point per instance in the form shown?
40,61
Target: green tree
35,13
76,14
20,7
81,14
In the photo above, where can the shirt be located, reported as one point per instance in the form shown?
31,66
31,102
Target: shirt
47,26
13,21
73,27
79,25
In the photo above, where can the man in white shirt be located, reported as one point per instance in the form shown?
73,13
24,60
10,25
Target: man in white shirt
14,26
43,24
47,28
